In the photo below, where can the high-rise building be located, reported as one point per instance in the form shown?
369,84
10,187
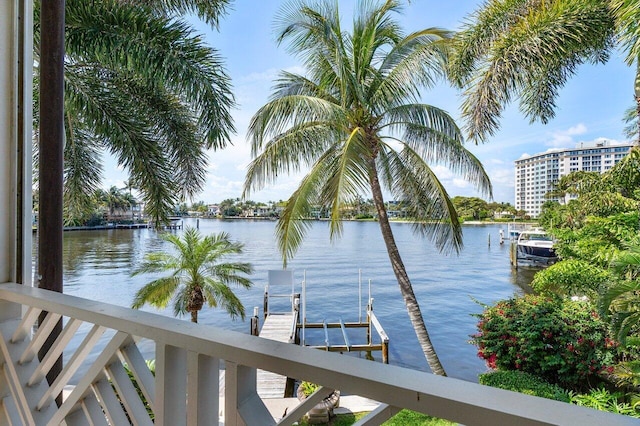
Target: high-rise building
537,174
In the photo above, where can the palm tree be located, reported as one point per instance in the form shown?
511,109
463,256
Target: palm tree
142,86
620,302
130,185
357,123
198,275
528,49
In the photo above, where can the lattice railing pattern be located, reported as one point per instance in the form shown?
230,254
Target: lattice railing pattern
190,361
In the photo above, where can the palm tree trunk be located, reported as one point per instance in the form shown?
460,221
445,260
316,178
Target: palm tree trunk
415,315
194,316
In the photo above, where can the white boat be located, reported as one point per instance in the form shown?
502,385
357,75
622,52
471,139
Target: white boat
536,245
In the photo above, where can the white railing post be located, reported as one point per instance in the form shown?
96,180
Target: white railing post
243,406
171,385
203,389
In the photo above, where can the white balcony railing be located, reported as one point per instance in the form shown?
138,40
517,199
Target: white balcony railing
189,359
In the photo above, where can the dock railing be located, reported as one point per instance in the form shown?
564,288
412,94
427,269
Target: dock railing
189,358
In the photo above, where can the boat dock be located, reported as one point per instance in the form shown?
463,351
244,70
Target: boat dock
290,325
279,326
276,327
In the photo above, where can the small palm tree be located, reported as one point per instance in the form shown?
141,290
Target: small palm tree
357,121
198,275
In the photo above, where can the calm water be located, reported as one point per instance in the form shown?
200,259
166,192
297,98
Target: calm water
98,266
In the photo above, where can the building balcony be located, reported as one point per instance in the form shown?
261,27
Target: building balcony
103,348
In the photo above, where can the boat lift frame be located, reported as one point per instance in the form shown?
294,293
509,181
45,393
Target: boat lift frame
372,323
300,324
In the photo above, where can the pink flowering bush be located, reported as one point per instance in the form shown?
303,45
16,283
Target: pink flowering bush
560,341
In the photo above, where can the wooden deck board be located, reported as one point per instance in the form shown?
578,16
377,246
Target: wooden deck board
276,327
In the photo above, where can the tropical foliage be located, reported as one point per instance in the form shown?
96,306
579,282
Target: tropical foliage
559,340
474,208
141,86
604,400
355,121
199,274
527,50
572,277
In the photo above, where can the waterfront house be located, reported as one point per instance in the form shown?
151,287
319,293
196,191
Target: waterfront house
189,357
213,210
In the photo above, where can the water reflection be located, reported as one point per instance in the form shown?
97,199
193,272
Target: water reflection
522,277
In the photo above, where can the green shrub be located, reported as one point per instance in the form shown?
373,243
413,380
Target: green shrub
571,277
308,388
603,400
519,381
364,216
561,341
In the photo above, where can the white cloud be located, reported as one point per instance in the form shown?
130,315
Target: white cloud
442,172
564,138
460,183
502,177
266,75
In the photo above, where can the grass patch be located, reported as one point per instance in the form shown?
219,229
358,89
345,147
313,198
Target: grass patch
408,417
339,420
403,418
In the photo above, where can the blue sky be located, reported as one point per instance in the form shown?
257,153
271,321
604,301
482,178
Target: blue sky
589,107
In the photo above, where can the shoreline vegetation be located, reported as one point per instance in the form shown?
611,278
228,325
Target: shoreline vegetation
145,225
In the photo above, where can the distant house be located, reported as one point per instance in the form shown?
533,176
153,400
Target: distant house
503,215
213,210
261,210
118,214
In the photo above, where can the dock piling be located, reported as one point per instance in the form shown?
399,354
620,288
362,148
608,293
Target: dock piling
255,326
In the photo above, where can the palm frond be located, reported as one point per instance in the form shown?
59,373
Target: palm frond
414,62
291,229
627,15
274,118
220,295
82,172
208,10
156,293
157,49
120,87
526,49
348,176
424,196
295,142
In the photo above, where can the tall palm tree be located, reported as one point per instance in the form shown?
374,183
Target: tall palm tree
528,49
199,274
357,122
140,85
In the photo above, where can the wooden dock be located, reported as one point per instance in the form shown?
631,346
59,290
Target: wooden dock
277,326
285,327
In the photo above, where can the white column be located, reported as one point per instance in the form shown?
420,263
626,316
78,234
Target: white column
16,66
